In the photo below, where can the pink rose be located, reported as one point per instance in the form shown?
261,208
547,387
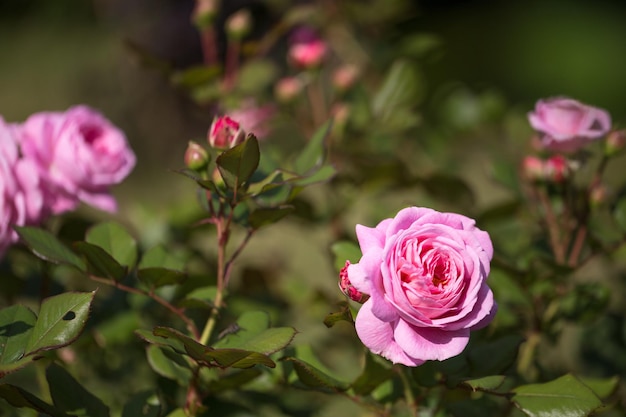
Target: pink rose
426,273
79,154
567,124
254,119
225,133
308,55
21,199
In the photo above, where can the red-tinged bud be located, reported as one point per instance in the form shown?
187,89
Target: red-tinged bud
615,142
347,288
557,169
344,77
196,157
598,194
239,24
308,55
225,133
287,89
533,168
204,13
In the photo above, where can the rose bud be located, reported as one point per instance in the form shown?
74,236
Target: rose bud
615,142
533,168
196,157
308,55
347,288
239,24
598,194
344,77
567,125
204,13
287,89
557,169
225,133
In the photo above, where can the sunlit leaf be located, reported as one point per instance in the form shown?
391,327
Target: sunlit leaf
166,367
314,153
99,262
564,396
313,377
16,324
344,314
60,321
158,277
236,165
488,383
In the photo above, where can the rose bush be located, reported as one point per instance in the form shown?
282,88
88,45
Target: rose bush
79,155
568,124
425,273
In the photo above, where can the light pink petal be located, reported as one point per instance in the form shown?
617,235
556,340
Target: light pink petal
101,200
377,336
483,307
430,343
369,238
406,218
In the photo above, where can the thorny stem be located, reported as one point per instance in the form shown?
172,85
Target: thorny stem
177,311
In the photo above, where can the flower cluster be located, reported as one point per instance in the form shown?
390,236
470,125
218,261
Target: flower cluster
54,161
425,273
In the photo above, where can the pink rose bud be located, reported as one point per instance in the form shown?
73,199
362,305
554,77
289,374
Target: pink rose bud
345,76
615,142
239,24
196,157
225,133
567,125
557,169
347,288
204,13
533,168
287,89
308,55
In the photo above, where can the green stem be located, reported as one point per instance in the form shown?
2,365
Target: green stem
222,240
408,390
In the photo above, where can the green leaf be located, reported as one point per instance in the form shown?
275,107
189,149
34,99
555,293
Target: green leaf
143,404
46,246
16,324
374,374
236,165
19,397
344,314
564,396
70,396
150,337
314,378
248,325
202,297
619,212
99,262
602,387
494,357
61,320
488,383
194,76
159,257
402,87
266,216
166,367
115,240
345,250
314,153
323,174
159,277
234,380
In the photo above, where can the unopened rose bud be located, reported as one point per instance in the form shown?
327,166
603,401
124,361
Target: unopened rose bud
344,77
287,89
239,24
557,169
225,133
615,142
347,288
196,157
598,194
533,168
204,13
308,55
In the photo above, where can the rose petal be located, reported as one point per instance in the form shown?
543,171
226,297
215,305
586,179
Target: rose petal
430,343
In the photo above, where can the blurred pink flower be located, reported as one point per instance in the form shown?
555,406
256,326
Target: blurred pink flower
21,199
426,275
254,119
556,168
308,55
225,133
567,124
287,89
79,155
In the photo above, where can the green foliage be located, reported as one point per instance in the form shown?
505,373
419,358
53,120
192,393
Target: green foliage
46,246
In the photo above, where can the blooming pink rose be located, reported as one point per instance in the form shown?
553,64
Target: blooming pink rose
426,273
567,124
225,133
21,199
80,155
